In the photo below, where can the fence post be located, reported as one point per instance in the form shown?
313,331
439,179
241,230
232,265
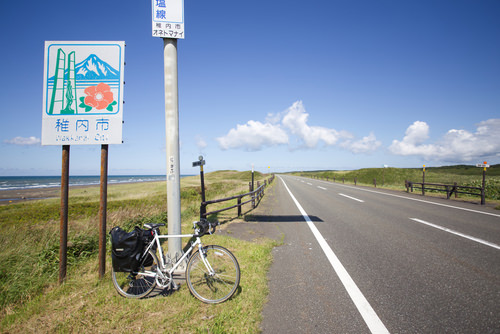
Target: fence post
375,182
483,195
355,181
423,181
455,189
343,180
239,206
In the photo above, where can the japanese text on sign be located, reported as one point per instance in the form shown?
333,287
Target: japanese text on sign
168,18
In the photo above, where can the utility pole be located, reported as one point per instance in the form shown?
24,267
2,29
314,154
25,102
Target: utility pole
172,145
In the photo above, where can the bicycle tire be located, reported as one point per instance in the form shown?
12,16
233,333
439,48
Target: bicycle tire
136,285
216,288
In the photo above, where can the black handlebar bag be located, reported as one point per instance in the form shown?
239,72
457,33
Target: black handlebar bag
126,249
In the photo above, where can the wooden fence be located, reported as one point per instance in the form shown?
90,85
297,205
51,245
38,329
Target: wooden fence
450,189
255,197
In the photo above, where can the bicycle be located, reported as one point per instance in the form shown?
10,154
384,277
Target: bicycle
212,272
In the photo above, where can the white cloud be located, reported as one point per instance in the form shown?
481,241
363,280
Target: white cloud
295,120
455,146
283,127
23,141
365,145
253,136
201,143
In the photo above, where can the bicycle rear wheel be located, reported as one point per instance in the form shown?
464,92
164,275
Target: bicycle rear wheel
137,284
217,285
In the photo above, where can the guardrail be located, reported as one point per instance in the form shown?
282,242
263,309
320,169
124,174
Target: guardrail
255,197
450,189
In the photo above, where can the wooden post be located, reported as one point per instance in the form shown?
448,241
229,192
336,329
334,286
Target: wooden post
239,206
423,181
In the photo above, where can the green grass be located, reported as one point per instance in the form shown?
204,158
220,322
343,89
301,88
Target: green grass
32,300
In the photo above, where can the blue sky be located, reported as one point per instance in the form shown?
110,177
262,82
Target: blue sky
290,85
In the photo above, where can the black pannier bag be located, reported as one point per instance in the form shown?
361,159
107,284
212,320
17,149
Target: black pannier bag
126,249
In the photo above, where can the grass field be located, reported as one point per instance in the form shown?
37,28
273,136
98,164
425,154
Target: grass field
32,301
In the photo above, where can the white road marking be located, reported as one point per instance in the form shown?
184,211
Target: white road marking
321,188
369,316
309,183
356,199
481,241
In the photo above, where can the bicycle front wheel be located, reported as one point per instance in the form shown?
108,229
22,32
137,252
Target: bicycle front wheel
137,284
215,280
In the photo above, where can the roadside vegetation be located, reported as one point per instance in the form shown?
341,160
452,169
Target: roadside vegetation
394,178
31,300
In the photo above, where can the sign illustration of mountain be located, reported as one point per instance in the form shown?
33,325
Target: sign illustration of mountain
93,75
83,93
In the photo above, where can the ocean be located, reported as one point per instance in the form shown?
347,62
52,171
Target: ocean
32,182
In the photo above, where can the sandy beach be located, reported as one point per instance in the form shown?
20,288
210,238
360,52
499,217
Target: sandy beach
18,195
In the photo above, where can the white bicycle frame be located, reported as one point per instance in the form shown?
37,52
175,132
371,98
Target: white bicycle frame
163,266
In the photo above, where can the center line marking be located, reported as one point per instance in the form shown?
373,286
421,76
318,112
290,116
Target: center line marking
481,241
321,188
365,309
359,200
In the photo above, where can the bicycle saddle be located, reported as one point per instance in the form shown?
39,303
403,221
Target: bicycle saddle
153,226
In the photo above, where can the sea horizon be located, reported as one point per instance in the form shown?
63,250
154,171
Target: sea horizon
51,181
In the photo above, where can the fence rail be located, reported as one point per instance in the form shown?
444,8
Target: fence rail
255,197
450,189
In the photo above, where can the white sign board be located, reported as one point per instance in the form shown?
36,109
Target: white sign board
168,18
83,93
483,165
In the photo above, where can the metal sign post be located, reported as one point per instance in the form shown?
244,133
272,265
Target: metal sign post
423,181
172,146
103,210
168,23
200,163
63,225
484,165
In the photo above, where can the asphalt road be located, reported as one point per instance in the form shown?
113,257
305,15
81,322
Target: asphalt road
364,260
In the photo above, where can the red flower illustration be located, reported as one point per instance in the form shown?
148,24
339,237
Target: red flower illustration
99,96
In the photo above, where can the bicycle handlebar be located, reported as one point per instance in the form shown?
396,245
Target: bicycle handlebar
203,227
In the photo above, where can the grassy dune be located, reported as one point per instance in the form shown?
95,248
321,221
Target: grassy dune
31,300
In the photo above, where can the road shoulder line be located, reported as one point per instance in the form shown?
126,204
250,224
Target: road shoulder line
367,312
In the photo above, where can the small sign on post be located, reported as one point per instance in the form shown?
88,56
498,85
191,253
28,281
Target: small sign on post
168,18
483,165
